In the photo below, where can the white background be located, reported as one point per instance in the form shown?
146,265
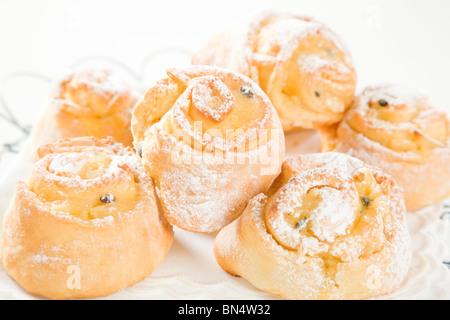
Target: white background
399,41
405,42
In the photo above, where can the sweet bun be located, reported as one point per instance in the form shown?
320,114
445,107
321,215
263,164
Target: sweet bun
86,223
301,64
330,227
211,140
402,133
87,102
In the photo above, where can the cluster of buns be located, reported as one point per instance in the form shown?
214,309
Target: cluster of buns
96,215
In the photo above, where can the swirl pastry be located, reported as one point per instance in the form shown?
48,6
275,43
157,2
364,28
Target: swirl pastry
403,134
301,64
330,227
86,223
88,102
211,140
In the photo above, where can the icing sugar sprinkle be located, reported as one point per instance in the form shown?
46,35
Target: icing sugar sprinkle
333,216
67,164
310,63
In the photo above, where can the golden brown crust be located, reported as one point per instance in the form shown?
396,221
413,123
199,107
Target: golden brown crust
62,241
285,244
211,140
301,64
87,102
407,138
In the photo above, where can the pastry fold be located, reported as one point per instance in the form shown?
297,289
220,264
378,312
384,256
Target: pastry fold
86,223
400,132
301,64
211,140
330,227
87,102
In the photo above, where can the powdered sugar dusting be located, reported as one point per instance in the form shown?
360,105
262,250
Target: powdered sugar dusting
212,97
285,33
41,258
67,164
333,216
101,81
312,62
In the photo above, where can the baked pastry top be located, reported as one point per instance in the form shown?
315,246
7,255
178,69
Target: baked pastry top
87,102
401,132
301,64
211,140
329,227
